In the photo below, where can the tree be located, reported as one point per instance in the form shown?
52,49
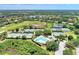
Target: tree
61,37
70,37
24,37
65,26
71,27
38,33
52,46
17,37
17,29
77,32
77,26
76,42
47,32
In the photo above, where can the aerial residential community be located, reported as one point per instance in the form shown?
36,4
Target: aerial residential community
39,32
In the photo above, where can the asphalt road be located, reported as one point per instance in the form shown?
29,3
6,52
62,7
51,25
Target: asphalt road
61,48
77,51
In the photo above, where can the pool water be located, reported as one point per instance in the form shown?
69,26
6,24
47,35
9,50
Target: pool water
41,39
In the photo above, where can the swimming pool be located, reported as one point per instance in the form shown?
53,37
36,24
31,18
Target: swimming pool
41,39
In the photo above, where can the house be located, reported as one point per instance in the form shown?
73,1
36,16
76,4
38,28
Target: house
58,30
28,33
71,23
57,33
65,29
20,35
58,26
32,30
52,37
39,26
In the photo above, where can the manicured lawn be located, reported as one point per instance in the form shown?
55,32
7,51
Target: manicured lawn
21,47
19,25
49,24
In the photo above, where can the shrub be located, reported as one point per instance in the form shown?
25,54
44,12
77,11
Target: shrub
24,37
70,37
68,51
70,45
52,46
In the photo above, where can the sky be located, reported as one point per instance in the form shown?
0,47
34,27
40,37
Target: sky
39,6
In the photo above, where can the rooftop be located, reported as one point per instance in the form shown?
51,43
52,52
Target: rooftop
58,26
14,35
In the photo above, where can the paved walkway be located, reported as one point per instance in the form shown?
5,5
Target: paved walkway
61,48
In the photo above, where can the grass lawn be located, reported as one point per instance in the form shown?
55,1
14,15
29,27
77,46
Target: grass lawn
19,25
50,52
72,34
49,24
21,47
